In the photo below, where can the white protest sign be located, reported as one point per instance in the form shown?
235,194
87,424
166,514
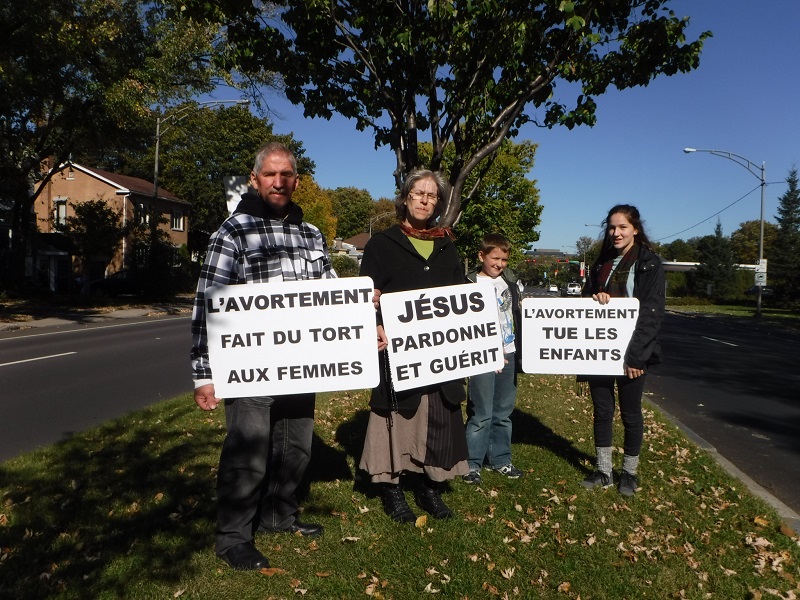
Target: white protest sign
292,337
443,333
576,336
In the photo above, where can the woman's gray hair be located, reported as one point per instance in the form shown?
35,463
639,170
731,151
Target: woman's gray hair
272,148
442,187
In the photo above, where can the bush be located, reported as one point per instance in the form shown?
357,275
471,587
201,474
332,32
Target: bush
344,265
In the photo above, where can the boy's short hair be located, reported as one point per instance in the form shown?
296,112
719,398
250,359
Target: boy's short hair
491,241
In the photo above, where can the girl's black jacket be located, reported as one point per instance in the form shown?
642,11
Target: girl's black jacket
395,266
648,286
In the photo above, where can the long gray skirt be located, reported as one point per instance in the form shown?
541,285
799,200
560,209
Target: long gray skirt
430,440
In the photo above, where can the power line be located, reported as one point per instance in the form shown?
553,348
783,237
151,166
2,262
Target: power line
711,217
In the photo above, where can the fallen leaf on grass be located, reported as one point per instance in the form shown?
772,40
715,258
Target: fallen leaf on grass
727,572
421,521
429,589
491,589
350,538
564,587
507,573
761,521
785,530
270,571
323,574
178,593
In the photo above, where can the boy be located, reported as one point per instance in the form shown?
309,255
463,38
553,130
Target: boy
492,395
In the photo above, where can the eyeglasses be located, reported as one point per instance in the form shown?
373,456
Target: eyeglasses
427,195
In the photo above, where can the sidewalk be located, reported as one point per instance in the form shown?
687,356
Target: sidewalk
15,319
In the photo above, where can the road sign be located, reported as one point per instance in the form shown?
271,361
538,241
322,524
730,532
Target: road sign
761,278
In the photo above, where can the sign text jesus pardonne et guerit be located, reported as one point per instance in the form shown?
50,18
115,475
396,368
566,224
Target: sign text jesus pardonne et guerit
440,334
292,337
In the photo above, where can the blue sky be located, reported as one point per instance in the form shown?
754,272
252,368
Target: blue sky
742,99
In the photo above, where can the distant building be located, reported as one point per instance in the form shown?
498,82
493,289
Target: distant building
536,252
130,197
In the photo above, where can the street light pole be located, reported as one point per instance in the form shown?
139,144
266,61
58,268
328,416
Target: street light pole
376,218
759,173
173,119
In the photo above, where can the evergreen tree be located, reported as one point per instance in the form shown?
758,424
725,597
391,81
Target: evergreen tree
784,263
716,268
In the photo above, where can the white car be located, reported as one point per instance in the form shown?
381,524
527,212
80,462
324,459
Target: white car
573,289
553,288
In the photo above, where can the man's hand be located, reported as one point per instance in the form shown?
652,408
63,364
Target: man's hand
205,397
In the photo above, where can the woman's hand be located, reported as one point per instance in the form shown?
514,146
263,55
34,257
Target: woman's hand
383,341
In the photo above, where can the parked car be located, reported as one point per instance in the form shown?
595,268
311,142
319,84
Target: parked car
765,291
553,288
571,289
123,282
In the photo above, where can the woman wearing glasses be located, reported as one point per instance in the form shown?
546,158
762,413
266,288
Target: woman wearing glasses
416,433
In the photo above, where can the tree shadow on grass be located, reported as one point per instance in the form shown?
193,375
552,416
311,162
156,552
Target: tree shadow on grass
132,500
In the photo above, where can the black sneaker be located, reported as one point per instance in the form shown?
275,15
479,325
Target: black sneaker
473,477
509,471
628,484
598,479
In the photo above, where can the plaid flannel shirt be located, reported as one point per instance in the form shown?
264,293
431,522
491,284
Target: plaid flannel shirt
248,249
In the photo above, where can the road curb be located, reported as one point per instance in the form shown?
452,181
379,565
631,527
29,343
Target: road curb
789,516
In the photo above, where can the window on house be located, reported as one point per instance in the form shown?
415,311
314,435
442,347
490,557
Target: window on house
177,220
60,212
142,213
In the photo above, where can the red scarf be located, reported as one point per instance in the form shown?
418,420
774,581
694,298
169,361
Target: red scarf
427,234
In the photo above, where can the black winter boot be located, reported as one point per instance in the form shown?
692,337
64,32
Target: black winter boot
427,496
395,505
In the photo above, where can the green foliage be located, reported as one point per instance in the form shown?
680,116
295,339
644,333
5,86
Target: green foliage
384,215
78,76
679,251
199,149
95,231
470,73
154,258
716,267
784,266
745,241
344,265
353,209
317,206
507,202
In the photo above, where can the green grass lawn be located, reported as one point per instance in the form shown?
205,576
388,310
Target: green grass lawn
127,511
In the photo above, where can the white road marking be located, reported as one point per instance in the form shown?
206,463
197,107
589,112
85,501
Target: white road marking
720,341
17,362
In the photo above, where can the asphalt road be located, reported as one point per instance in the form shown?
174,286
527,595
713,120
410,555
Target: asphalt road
736,384
59,380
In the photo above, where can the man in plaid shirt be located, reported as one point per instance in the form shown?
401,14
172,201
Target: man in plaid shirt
268,442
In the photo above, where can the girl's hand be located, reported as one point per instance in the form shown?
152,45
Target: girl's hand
632,373
601,297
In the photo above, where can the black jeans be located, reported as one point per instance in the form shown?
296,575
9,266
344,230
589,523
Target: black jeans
630,409
263,460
